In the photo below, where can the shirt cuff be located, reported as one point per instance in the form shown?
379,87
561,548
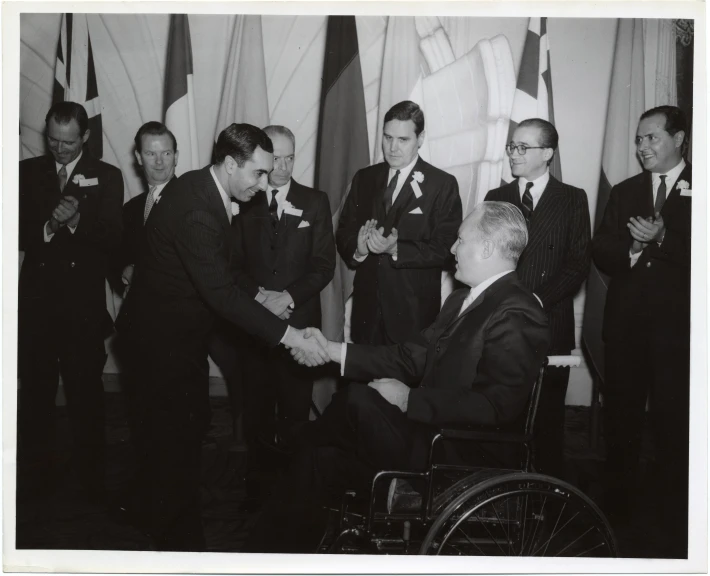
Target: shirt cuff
47,237
292,305
359,258
260,297
343,354
634,257
538,299
285,334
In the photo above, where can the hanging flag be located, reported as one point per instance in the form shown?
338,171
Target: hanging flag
180,94
619,162
244,91
533,95
342,148
401,77
75,76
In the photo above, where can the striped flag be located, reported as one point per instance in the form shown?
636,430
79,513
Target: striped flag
244,96
342,148
180,94
533,95
75,76
619,162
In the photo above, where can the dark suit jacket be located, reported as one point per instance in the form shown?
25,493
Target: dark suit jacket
295,257
184,275
556,261
409,289
659,283
70,271
477,368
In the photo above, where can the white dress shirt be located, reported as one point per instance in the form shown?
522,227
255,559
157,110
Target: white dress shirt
281,194
537,189
70,168
478,290
226,200
671,178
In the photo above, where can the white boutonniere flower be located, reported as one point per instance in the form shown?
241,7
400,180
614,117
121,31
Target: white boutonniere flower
683,185
417,179
235,208
291,209
77,177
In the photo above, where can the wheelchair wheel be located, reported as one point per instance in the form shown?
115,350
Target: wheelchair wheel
518,514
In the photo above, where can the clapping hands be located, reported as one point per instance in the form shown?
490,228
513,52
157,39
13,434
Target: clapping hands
370,238
646,230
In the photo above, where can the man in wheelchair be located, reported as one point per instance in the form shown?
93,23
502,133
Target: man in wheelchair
475,365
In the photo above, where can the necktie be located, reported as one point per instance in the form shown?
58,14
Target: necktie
389,192
149,203
62,177
527,203
660,195
273,209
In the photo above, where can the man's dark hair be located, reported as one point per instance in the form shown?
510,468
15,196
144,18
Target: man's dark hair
407,110
675,122
548,133
239,141
65,112
153,128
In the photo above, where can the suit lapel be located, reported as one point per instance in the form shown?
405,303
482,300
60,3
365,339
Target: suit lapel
214,198
549,209
378,197
673,201
511,194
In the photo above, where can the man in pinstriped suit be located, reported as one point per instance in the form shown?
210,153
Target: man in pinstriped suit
553,266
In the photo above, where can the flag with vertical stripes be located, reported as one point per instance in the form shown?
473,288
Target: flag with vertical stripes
180,94
619,162
244,97
342,147
533,95
75,76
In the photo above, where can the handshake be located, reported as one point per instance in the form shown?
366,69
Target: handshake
310,347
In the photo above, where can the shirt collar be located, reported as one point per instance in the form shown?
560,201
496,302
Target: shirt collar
158,189
226,200
403,172
70,166
478,290
671,176
281,192
538,187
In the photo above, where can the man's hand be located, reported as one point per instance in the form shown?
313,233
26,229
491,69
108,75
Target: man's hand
127,278
394,391
363,235
645,230
378,244
306,351
67,209
277,303
332,348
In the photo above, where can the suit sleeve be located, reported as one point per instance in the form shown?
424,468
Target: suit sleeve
202,251
405,362
321,265
578,257
242,278
447,217
612,241
106,226
516,343
675,247
348,226
31,219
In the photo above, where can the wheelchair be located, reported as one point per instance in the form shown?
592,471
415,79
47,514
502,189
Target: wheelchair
467,511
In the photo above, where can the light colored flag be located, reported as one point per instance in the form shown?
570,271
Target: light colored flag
180,94
533,95
244,96
75,75
401,77
619,162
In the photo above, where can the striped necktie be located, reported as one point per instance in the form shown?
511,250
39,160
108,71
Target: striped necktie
149,203
62,177
660,195
527,203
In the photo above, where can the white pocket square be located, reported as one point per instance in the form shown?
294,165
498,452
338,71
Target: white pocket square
304,224
88,182
417,210
686,192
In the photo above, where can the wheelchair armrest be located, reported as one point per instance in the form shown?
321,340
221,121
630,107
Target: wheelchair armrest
483,435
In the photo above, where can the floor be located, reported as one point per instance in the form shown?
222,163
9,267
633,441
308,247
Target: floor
69,522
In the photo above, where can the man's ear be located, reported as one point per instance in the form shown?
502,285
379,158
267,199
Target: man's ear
420,138
85,137
489,248
678,138
547,154
138,158
176,155
229,164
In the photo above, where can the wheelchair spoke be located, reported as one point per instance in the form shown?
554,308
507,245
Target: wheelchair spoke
537,524
469,541
590,549
525,517
575,540
506,531
555,531
491,535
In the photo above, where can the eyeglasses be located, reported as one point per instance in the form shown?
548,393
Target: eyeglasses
521,148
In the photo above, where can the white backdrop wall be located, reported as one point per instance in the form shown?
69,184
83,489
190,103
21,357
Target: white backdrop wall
129,51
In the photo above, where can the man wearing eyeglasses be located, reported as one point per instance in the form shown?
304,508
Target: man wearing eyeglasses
553,266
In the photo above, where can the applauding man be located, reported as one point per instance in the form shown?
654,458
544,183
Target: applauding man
396,229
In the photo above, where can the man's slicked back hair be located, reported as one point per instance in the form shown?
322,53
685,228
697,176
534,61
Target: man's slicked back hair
503,224
65,112
407,110
153,128
239,141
